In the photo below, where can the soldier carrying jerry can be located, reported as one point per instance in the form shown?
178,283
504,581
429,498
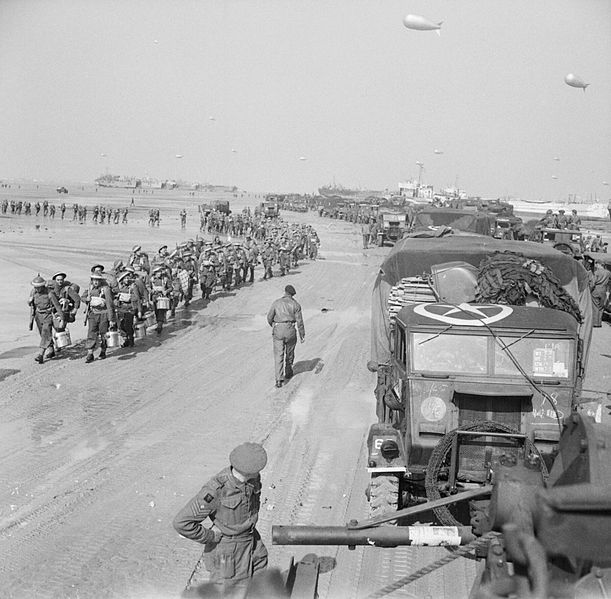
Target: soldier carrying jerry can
43,302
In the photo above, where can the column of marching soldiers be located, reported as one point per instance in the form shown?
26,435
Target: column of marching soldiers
99,213
144,291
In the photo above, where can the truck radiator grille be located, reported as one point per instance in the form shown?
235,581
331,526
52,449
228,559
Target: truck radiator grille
476,454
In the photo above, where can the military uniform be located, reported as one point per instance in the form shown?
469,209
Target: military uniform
128,304
283,315
68,297
100,315
160,287
44,301
268,256
233,549
207,278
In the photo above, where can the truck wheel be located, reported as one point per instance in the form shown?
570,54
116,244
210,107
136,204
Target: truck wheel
383,495
437,476
565,248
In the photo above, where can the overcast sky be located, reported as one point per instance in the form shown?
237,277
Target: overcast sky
341,83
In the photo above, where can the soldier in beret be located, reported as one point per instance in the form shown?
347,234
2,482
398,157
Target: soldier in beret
222,517
282,316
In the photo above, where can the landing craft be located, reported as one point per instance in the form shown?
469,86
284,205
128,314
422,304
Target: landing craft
421,24
575,81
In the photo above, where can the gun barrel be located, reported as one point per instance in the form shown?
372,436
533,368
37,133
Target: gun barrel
381,536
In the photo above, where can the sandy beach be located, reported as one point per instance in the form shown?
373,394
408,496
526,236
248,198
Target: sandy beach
95,460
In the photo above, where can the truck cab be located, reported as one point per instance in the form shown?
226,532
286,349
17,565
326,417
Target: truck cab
567,241
472,383
393,226
270,209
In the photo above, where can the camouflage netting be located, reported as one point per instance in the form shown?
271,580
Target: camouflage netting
509,278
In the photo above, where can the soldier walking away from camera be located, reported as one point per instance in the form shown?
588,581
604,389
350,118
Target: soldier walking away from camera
183,218
283,315
100,315
42,303
229,501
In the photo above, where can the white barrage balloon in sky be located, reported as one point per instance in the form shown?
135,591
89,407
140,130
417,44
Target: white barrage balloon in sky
421,24
556,158
605,183
233,150
211,118
302,158
554,177
178,155
575,81
435,151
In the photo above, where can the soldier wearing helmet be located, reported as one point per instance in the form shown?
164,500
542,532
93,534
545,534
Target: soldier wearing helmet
100,313
138,258
43,302
229,502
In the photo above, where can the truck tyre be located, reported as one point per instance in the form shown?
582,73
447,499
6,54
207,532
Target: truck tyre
383,495
565,248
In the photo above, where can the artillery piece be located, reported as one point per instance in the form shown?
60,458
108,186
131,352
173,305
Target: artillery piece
545,538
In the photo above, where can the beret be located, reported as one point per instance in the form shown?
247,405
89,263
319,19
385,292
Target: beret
248,458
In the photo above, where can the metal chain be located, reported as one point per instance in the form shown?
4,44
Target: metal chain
481,542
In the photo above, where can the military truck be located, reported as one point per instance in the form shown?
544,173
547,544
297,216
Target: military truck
568,241
462,382
392,226
218,205
430,217
270,208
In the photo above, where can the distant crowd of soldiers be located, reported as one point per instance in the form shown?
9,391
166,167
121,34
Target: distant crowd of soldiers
99,214
143,289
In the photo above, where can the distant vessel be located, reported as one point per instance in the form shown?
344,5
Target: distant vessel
119,181
334,189
149,183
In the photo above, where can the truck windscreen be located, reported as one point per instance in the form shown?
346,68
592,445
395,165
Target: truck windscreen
482,354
